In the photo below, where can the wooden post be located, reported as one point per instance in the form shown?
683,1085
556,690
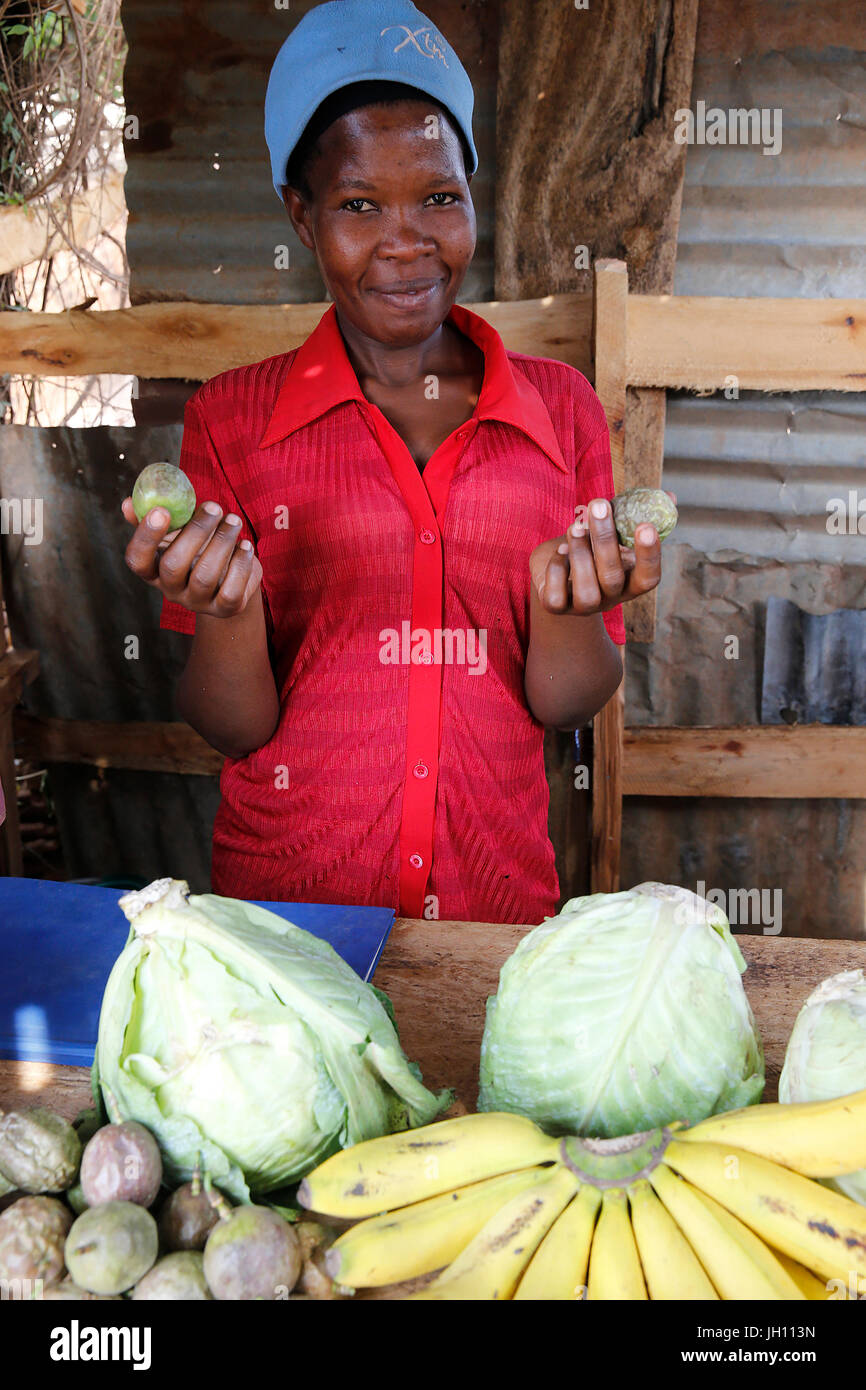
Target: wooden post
610,317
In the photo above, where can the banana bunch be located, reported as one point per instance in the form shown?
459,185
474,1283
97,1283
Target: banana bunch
728,1209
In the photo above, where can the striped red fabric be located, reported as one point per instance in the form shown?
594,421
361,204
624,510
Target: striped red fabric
406,770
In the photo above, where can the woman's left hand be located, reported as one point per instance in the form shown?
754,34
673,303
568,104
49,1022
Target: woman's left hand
587,571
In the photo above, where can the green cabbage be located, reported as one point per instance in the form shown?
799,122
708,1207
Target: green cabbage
624,1012
232,1033
826,1054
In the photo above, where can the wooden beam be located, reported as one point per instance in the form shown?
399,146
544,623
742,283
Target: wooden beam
684,342
29,233
701,344
609,350
193,342
137,746
813,760
609,356
810,760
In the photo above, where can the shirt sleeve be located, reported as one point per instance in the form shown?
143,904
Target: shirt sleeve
199,461
595,479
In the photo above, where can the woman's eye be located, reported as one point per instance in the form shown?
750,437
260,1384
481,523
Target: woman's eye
352,204
452,196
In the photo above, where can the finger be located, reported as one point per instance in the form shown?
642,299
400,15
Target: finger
585,591
671,495
605,548
554,593
229,597
141,554
209,569
254,580
647,560
129,511
179,558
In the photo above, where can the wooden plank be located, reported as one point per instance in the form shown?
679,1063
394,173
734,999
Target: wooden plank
810,760
194,342
682,341
607,792
439,975
137,746
609,355
29,233
700,343
815,760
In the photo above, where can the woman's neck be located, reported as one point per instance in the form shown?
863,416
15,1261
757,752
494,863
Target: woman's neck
399,366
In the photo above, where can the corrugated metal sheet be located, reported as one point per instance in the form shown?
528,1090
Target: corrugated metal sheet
196,76
814,666
757,474
102,655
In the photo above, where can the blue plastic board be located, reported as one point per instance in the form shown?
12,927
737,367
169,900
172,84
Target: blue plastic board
58,942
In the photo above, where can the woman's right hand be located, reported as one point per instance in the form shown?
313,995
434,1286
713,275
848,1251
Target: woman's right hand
204,566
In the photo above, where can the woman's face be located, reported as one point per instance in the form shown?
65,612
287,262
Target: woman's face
391,220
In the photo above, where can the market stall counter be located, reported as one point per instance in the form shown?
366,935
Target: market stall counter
439,975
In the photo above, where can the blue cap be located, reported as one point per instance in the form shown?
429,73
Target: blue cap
347,41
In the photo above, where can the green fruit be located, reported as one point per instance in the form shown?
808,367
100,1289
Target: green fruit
33,1232
121,1163
179,1276
75,1198
643,504
111,1247
164,485
39,1151
253,1254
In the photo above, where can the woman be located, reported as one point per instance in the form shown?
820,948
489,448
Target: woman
404,565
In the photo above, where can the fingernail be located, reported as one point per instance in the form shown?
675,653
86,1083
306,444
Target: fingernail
578,530
599,509
212,508
156,518
232,520
562,549
245,545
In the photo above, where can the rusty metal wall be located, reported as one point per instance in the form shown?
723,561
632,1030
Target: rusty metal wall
755,475
203,215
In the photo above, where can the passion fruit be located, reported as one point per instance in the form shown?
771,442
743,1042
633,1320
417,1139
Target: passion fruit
164,485
121,1163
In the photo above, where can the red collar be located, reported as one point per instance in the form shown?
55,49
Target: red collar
321,376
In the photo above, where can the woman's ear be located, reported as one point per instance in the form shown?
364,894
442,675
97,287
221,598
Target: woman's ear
299,215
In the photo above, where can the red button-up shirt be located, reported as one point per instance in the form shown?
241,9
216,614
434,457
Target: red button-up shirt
406,769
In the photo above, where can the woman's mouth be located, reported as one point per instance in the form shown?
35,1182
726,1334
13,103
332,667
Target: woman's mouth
409,295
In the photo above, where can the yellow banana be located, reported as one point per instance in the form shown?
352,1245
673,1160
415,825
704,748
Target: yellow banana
398,1169
808,1283
727,1262
614,1264
764,1258
670,1265
821,1139
558,1268
492,1263
819,1228
415,1240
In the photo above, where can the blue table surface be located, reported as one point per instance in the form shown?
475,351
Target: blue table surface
58,942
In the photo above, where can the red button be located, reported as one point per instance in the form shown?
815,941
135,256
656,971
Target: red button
416,861
428,537
421,769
